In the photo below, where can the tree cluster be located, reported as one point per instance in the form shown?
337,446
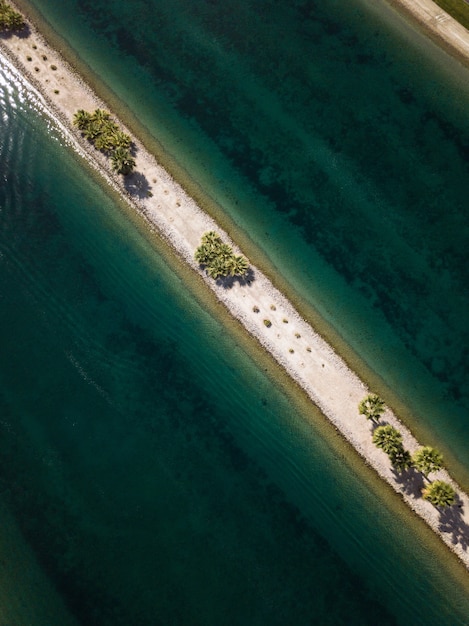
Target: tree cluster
218,257
425,460
10,20
101,130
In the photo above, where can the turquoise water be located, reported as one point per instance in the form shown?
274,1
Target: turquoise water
157,473
335,141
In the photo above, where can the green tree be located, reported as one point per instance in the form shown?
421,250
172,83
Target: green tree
203,254
372,407
92,131
211,238
241,265
81,119
10,20
427,460
122,161
120,139
400,458
388,439
439,494
100,116
218,257
216,269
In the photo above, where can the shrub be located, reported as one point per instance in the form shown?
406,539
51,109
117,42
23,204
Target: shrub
267,323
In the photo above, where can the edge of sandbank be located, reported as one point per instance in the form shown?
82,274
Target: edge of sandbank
444,29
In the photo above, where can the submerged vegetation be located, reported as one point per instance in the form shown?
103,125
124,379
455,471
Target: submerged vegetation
10,20
103,132
218,257
425,460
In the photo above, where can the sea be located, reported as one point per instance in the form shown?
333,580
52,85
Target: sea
156,468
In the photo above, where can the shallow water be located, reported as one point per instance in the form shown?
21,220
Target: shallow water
156,472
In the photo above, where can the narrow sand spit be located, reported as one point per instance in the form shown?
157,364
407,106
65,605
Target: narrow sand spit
312,363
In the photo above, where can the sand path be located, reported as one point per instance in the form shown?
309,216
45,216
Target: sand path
294,344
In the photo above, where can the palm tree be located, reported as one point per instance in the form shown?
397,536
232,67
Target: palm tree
400,459
241,265
388,439
203,254
372,406
10,19
120,139
216,269
92,130
81,119
100,115
104,142
427,460
211,238
439,494
122,161
218,257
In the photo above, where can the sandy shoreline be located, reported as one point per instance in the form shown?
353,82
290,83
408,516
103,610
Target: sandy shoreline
440,26
312,363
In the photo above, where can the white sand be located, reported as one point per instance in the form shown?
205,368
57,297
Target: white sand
295,345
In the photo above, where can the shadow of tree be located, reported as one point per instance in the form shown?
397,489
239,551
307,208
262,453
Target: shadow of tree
227,282
137,185
411,481
376,424
451,522
24,33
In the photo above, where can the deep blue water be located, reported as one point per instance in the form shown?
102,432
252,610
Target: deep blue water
157,472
